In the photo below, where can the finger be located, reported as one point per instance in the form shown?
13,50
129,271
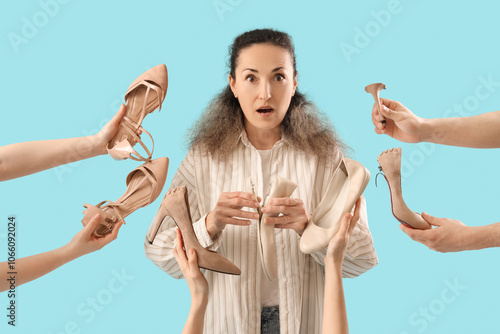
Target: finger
288,226
121,112
277,209
414,234
355,216
114,233
430,219
285,201
192,258
283,220
92,224
347,221
238,203
180,241
232,213
240,194
234,221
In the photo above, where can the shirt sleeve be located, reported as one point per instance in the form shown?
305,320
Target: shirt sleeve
160,251
360,254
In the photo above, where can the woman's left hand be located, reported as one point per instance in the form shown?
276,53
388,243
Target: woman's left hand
295,215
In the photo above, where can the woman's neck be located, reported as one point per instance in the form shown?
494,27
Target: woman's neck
263,139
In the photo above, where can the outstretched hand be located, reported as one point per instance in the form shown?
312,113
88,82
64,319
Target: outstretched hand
198,285
85,241
449,235
401,123
337,247
293,213
108,131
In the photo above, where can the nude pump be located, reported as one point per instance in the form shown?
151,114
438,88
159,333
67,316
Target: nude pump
347,185
175,204
390,167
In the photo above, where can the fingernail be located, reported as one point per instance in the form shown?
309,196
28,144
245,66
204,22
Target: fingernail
256,215
98,216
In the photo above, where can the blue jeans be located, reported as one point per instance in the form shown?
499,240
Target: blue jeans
270,320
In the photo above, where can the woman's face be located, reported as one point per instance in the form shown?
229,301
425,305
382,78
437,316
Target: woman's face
264,85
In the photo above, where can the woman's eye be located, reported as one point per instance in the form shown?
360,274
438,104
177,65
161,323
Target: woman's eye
279,77
250,78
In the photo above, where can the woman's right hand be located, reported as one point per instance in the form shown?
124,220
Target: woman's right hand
228,210
401,123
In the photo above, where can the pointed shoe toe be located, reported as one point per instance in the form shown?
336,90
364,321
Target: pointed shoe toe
347,185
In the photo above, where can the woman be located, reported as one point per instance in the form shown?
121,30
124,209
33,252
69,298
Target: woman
258,128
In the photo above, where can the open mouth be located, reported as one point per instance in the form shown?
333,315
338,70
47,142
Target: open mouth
265,110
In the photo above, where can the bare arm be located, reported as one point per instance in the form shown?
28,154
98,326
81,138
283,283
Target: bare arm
335,313
198,286
23,159
480,131
451,235
32,267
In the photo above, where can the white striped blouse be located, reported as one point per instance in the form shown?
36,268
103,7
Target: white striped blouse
234,301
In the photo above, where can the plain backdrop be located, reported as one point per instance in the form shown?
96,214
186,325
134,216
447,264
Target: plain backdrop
65,69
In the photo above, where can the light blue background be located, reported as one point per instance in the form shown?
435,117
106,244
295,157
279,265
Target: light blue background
69,77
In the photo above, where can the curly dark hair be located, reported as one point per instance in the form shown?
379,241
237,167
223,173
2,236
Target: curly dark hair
306,128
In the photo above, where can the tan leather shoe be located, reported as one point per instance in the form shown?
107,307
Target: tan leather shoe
281,187
175,204
347,185
390,165
144,185
145,95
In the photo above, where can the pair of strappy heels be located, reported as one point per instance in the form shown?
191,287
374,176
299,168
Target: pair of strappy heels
145,183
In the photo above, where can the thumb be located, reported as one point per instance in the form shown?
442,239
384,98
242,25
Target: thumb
192,257
91,226
430,219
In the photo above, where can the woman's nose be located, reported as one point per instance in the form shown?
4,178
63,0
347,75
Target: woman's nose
265,90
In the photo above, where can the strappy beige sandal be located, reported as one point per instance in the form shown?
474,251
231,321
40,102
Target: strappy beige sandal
145,95
144,185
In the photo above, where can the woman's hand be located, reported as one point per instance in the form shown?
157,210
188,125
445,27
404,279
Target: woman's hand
401,123
338,245
108,131
294,213
198,285
228,211
85,241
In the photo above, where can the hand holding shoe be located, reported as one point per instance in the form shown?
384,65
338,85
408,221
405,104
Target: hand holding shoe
401,123
294,213
228,211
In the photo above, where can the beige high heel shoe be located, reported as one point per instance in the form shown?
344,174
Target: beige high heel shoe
348,183
281,187
390,166
375,89
145,95
175,204
144,185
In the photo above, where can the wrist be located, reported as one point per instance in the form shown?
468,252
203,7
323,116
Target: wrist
97,146
69,252
212,228
426,132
